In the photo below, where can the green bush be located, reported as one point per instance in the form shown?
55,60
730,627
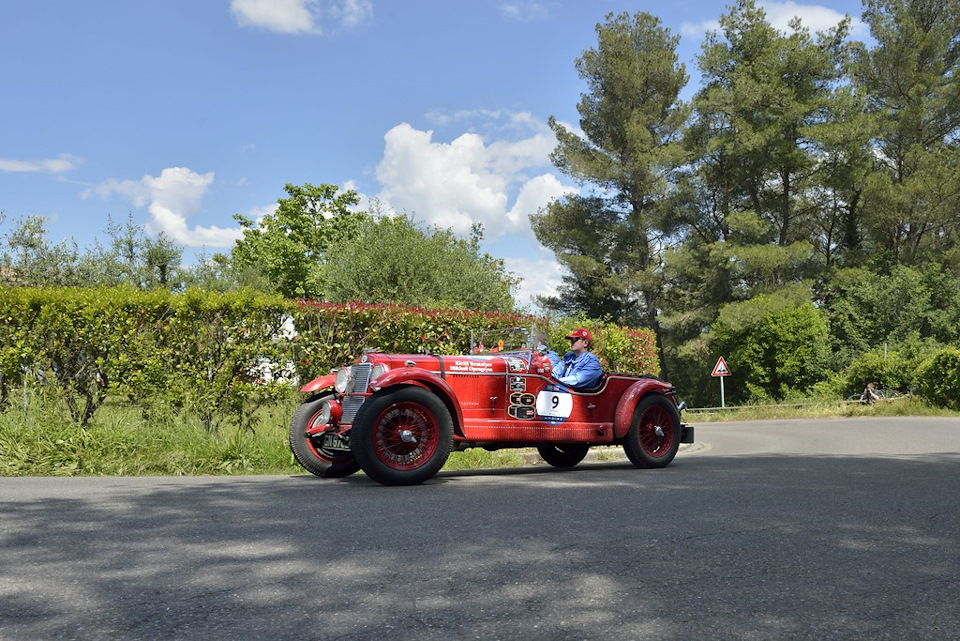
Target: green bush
892,371
198,350
774,344
938,379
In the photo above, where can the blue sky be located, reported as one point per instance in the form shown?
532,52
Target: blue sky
181,113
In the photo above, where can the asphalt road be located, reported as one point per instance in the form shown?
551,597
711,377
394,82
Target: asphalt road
831,529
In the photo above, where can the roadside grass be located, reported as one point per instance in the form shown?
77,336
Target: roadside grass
903,406
39,439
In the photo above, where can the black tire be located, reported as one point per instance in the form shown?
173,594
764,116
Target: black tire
402,436
563,455
654,436
309,451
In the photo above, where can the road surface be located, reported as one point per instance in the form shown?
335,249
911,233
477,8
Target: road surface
827,529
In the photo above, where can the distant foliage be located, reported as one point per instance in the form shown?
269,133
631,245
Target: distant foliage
891,371
774,344
393,260
938,379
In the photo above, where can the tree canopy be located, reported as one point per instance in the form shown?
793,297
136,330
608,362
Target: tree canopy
391,259
287,245
806,162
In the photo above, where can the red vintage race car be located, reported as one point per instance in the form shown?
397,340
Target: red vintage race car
399,416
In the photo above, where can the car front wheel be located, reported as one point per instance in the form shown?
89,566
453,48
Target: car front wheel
402,436
654,436
309,450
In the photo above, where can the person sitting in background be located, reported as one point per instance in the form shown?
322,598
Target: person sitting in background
870,395
579,367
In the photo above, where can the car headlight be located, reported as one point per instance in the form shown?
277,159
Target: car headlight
379,370
322,417
343,379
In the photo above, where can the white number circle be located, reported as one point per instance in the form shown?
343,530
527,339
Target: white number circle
553,404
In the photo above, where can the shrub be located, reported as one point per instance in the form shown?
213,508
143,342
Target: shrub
774,344
892,370
219,355
938,379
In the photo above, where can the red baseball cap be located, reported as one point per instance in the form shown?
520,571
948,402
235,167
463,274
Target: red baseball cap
581,333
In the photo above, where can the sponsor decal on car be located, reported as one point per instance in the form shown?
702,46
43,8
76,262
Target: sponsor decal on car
472,366
516,364
522,405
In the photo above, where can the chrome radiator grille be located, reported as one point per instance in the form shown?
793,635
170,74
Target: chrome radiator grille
360,377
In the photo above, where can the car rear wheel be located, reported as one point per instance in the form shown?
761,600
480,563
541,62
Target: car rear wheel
402,436
309,450
654,436
563,455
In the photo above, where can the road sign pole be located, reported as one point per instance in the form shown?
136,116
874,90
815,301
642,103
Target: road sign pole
721,371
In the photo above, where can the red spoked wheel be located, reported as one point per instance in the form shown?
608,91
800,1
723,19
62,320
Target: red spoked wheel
405,435
402,436
654,436
309,450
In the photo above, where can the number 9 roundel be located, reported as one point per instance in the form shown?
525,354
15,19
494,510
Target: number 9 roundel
554,404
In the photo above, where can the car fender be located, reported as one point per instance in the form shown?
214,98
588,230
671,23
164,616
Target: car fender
319,384
628,403
430,380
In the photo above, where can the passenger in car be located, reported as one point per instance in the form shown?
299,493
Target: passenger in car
579,367
546,352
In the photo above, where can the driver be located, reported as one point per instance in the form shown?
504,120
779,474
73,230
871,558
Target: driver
579,367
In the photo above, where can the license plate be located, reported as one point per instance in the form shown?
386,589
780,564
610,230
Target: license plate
333,441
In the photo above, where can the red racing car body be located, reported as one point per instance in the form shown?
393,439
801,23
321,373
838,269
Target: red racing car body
398,416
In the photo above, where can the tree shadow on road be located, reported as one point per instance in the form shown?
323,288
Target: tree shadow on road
760,547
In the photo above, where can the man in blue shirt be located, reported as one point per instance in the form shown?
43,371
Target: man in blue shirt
579,367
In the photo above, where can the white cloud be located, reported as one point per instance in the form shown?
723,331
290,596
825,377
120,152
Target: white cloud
170,198
59,165
524,11
779,14
814,17
300,16
466,181
541,276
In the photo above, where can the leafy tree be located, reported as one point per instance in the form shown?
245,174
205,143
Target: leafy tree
911,81
133,258
765,165
28,259
867,310
610,240
391,260
288,245
774,343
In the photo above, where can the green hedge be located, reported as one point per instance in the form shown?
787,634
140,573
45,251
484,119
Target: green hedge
938,379
196,349
224,355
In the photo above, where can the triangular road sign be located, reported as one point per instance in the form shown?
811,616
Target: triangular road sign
720,369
